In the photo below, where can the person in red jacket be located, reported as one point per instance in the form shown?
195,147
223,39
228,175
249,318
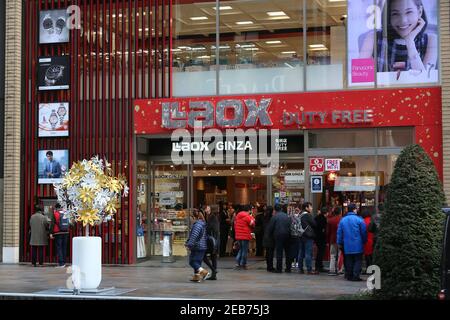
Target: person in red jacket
332,226
60,232
368,247
243,226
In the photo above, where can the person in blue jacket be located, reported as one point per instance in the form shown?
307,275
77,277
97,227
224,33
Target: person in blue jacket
351,237
197,244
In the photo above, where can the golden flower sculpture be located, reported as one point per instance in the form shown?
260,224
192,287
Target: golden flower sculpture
89,193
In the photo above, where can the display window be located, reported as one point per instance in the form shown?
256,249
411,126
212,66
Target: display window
288,185
170,217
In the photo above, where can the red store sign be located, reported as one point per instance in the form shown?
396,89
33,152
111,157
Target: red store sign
415,107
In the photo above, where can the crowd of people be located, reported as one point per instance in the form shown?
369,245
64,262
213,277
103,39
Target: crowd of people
291,238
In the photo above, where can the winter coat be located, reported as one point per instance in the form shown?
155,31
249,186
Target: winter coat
352,233
332,227
307,221
197,237
259,224
268,241
39,224
224,225
368,247
280,226
213,226
243,226
54,223
321,228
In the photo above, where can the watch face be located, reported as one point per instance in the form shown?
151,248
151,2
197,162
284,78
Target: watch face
47,24
60,25
54,72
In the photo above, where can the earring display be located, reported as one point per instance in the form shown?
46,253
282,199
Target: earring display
54,73
53,27
54,119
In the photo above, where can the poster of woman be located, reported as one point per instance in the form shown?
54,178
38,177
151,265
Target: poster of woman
54,119
397,37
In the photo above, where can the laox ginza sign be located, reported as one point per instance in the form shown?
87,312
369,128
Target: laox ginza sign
246,113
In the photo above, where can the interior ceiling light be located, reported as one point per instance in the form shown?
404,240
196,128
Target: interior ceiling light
251,45
319,49
223,8
279,18
276,13
273,42
288,52
198,18
316,46
244,22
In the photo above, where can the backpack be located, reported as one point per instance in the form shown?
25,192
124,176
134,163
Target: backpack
63,222
300,227
296,227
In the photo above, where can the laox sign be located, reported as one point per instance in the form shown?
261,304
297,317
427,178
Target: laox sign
228,114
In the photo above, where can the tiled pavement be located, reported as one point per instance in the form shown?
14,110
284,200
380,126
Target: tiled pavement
152,279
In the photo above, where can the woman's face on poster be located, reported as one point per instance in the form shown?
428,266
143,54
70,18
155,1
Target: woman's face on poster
404,16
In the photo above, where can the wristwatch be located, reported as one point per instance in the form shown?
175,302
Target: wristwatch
53,119
47,23
53,74
60,24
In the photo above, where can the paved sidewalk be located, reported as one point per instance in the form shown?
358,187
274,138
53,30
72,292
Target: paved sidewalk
153,279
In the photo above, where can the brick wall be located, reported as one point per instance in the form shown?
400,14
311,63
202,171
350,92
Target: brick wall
445,76
12,150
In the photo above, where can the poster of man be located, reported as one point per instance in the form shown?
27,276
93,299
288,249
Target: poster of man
52,165
397,37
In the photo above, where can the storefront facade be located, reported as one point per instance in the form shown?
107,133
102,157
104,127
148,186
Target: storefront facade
140,70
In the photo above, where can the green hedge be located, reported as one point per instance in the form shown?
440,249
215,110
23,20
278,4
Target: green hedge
408,249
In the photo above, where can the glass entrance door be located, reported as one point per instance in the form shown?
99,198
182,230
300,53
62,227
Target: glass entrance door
170,203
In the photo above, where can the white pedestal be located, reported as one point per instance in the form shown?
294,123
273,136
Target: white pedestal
87,256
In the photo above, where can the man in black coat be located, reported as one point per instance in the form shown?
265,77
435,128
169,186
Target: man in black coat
280,230
321,242
307,239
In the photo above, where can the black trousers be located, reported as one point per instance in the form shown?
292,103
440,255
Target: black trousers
211,263
269,258
34,252
321,246
259,244
223,242
353,266
283,244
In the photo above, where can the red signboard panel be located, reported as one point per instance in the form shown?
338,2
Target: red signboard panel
414,107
